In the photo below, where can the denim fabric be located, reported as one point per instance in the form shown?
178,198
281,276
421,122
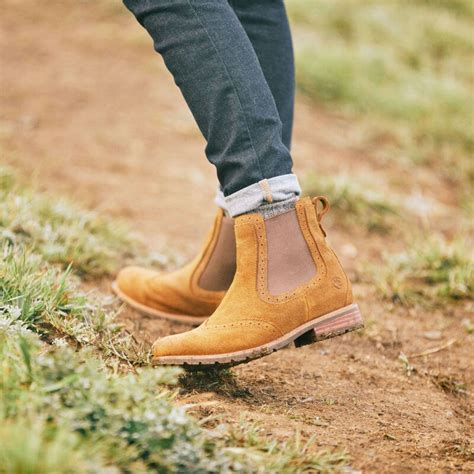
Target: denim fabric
267,27
235,96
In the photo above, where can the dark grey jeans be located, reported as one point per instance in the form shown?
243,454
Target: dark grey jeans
233,61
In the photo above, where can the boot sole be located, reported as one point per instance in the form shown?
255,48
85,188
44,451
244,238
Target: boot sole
143,309
330,325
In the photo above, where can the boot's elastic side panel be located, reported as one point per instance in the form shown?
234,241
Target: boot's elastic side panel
219,272
290,263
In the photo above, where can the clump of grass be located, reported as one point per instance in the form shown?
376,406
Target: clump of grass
460,447
407,367
32,445
359,204
49,302
297,456
61,232
62,402
132,423
399,65
220,381
432,271
449,384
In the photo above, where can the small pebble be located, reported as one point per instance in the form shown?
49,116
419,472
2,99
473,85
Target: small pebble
433,335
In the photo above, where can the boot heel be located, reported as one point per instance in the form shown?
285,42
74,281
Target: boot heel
306,339
335,324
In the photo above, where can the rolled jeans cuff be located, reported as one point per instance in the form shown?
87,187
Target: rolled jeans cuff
266,191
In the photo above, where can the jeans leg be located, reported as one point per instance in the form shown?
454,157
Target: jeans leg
214,64
266,25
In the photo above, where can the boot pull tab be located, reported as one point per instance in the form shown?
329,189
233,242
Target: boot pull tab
324,201
320,213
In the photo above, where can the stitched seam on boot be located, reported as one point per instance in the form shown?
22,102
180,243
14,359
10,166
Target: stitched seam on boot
315,242
347,289
245,219
348,283
247,322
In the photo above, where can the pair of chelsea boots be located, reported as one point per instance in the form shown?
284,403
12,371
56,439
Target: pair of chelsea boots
256,286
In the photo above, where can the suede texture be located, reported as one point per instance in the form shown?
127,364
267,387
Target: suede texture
176,292
249,316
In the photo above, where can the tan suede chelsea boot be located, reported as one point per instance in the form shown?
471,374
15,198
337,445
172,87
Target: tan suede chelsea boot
289,287
192,293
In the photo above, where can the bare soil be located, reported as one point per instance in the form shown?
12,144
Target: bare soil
90,111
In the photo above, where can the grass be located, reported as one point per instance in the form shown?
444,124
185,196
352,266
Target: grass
48,300
449,384
433,271
31,446
128,420
400,67
73,413
73,395
407,367
61,232
298,455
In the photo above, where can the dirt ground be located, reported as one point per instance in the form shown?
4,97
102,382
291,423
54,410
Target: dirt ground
89,110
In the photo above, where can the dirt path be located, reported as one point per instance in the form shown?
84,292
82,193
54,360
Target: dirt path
90,111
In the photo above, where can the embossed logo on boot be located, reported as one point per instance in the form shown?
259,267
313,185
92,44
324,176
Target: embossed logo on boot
337,282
